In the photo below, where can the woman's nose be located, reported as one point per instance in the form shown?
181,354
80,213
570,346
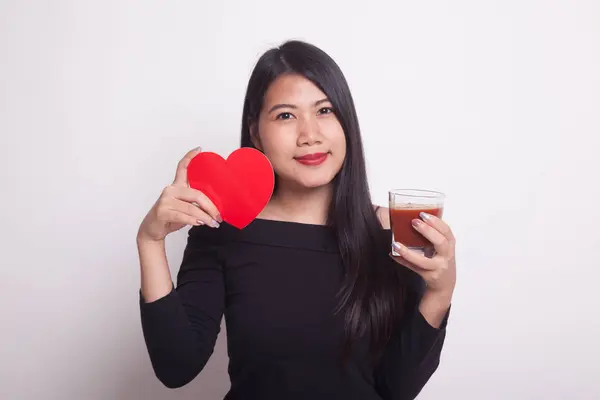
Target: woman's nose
309,132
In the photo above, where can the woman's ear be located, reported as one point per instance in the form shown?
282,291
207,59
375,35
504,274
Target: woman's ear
254,138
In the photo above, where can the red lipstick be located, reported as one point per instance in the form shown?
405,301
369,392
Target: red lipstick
312,159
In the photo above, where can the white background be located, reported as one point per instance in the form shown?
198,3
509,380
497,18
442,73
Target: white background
495,103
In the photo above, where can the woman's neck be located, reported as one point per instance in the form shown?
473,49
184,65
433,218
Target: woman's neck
308,206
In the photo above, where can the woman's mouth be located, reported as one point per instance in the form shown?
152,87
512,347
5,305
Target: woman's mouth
312,159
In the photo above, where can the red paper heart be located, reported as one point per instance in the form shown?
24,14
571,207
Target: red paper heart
240,187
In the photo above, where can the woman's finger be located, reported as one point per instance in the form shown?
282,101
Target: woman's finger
415,258
174,216
181,173
402,261
439,241
194,211
200,199
439,225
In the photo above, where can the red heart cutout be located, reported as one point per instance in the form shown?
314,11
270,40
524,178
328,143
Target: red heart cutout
240,187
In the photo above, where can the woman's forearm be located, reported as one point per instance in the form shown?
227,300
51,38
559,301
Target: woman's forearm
154,269
434,306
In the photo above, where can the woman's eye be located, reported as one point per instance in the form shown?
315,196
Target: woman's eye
326,110
285,115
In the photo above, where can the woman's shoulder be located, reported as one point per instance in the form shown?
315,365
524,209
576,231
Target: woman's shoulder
414,282
383,214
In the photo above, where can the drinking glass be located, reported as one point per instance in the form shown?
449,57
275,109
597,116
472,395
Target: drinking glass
407,205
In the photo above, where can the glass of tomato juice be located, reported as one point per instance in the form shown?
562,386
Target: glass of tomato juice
407,205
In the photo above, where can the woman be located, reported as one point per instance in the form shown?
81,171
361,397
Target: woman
315,306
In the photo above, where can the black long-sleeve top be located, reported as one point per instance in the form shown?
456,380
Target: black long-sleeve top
276,284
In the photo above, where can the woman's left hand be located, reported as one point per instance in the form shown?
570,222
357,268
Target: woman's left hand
439,271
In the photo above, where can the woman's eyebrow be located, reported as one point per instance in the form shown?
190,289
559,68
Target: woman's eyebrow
278,106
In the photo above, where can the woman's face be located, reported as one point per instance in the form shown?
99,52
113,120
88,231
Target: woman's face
299,133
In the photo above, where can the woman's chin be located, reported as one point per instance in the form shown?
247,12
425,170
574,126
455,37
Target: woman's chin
314,182
303,183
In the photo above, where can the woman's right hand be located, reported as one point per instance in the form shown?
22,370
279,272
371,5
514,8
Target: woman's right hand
178,206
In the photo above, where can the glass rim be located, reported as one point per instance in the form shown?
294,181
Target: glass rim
429,194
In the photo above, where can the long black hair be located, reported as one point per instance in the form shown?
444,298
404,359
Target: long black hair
371,291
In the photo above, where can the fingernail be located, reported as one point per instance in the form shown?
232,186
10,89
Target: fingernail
199,222
214,224
398,247
416,223
424,215
218,218
199,148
